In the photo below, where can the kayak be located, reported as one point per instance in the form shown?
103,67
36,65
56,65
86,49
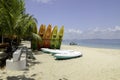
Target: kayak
62,54
45,50
59,37
53,38
41,33
47,37
55,51
68,55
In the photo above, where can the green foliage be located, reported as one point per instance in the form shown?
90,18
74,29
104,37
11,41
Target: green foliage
14,20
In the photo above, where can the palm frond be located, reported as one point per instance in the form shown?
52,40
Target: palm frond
36,37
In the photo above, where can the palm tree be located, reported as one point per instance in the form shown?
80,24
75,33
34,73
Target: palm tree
15,21
12,12
2,22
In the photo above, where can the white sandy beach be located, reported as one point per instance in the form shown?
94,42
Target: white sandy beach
95,64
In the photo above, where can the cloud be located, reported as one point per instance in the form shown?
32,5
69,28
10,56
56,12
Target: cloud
104,33
110,29
44,1
98,32
74,31
114,29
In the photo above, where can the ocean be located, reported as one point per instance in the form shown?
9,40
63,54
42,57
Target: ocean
98,43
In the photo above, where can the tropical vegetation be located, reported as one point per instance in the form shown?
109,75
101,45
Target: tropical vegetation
15,23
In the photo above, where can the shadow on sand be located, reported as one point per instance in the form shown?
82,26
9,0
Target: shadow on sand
31,63
68,58
20,77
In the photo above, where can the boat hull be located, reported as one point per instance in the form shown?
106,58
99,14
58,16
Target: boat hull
68,55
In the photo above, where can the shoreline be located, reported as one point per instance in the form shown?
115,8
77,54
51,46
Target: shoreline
95,64
94,46
90,47
97,43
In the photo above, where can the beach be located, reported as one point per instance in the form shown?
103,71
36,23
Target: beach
95,64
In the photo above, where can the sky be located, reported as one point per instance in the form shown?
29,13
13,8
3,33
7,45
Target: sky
82,19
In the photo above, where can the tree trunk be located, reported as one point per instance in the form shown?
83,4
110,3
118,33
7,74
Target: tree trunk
2,39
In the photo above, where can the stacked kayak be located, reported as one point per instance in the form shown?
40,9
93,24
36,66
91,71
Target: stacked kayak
62,54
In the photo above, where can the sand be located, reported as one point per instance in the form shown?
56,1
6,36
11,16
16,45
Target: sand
95,64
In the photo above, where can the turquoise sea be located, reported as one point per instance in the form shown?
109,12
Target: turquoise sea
98,43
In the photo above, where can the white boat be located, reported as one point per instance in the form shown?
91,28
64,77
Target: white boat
68,55
46,50
55,51
60,51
